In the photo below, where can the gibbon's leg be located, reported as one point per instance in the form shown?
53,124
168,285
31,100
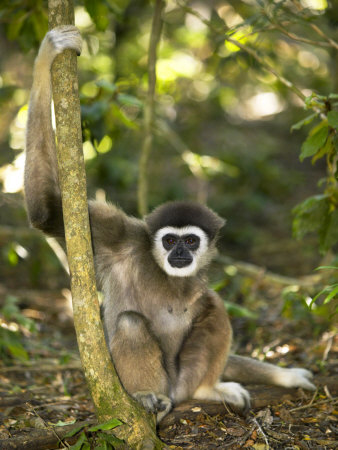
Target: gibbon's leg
138,360
202,359
250,371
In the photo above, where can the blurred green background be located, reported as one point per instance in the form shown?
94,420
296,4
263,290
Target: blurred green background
222,133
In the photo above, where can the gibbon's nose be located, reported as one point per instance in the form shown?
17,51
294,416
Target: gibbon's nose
179,249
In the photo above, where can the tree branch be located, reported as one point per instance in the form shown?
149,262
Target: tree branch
149,108
317,29
246,49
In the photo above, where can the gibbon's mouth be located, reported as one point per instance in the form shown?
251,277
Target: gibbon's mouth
180,262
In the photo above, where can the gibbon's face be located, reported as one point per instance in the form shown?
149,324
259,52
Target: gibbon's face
180,252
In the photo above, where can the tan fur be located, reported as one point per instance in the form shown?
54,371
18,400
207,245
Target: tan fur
169,336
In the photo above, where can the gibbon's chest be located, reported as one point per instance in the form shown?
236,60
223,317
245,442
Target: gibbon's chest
168,304
171,319
170,324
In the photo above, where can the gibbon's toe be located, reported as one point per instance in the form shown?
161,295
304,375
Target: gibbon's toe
164,405
295,377
147,399
232,393
301,377
235,394
156,403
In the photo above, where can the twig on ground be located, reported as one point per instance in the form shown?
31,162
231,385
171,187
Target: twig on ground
260,429
320,402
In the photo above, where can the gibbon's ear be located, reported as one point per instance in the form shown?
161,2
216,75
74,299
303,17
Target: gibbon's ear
181,213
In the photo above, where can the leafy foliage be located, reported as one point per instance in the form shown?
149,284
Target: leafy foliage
315,215
319,213
25,23
232,78
96,436
13,327
330,292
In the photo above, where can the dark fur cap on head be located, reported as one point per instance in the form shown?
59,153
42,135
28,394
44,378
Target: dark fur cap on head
181,214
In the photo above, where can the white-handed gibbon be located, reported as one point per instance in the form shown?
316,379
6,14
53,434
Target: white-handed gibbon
168,334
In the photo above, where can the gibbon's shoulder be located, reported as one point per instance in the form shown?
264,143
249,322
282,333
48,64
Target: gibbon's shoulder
109,222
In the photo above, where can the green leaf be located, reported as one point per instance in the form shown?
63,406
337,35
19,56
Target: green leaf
12,257
332,119
239,311
110,439
74,431
114,7
323,151
18,351
323,291
99,12
310,215
327,267
10,308
219,285
305,121
15,24
118,114
81,441
332,294
315,215
314,142
113,423
330,236
64,359
40,24
126,99
95,111
106,86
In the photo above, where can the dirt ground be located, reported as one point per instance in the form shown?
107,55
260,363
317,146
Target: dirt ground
45,396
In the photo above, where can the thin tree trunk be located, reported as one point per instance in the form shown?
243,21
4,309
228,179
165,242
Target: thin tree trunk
109,397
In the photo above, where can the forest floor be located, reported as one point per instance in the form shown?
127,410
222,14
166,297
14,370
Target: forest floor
46,395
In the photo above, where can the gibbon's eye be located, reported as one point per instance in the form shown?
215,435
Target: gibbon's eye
171,241
190,240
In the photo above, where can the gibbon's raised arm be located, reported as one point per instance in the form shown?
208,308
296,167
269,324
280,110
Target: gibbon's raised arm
42,191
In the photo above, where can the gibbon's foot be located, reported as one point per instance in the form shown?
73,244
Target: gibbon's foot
63,37
156,403
232,393
294,377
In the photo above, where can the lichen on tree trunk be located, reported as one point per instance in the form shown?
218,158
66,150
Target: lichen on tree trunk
109,397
